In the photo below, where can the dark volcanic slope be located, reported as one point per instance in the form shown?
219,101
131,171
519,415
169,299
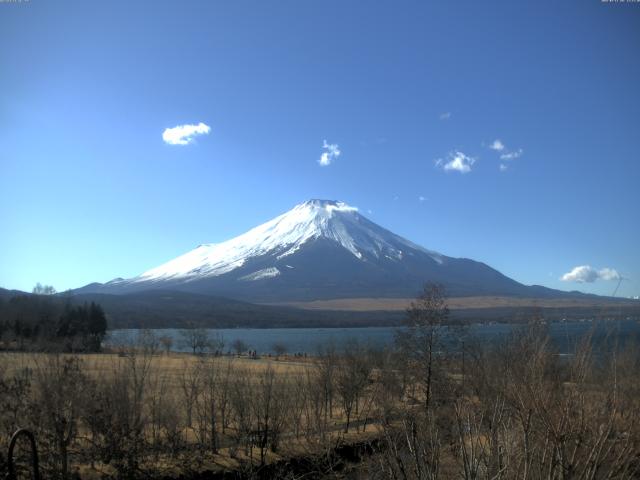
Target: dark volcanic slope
320,250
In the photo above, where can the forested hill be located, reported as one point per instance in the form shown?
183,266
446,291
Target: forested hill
170,309
43,316
37,322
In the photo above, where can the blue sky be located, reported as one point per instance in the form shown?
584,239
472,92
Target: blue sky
89,190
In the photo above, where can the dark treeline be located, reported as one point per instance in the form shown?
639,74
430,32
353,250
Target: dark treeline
44,321
174,309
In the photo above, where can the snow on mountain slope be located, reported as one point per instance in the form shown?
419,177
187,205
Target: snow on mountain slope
318,250
283,236
261,274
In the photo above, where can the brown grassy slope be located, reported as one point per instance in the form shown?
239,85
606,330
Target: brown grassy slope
455,303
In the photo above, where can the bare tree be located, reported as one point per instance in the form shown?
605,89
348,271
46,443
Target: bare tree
411,449
147,341
421,339
240,400
269,404
315,415
40,289
196,339
116,414
223,393
16,392
190,387
58,395
157,394
207,403
239,346
352,378
327,365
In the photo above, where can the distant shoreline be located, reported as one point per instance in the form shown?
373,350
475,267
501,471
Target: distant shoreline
308,340
457,303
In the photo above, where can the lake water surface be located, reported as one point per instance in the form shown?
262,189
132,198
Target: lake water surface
309,340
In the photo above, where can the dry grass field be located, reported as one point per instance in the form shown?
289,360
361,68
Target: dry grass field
500,413
172,365
171,399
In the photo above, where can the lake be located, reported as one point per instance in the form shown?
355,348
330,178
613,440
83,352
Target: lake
308,340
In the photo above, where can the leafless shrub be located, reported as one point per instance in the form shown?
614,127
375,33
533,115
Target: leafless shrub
352,378
412,449
270,404
208,402
115,414
58,394
15,394
190,387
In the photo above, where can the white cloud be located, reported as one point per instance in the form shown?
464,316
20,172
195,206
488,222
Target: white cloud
497,145
609,274
503,167
456,161
588,274
421,198
184,134
512,155
331,152
445,116
340,207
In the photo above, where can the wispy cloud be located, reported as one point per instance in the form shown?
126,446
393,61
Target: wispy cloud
503,167
588,274
421,198
457,162
505,154
184,134
512,155
331,152
445,116
497,145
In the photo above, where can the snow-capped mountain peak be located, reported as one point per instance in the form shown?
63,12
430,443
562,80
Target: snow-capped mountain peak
320,249
284,235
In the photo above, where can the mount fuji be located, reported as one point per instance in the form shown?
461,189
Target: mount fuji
320,249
